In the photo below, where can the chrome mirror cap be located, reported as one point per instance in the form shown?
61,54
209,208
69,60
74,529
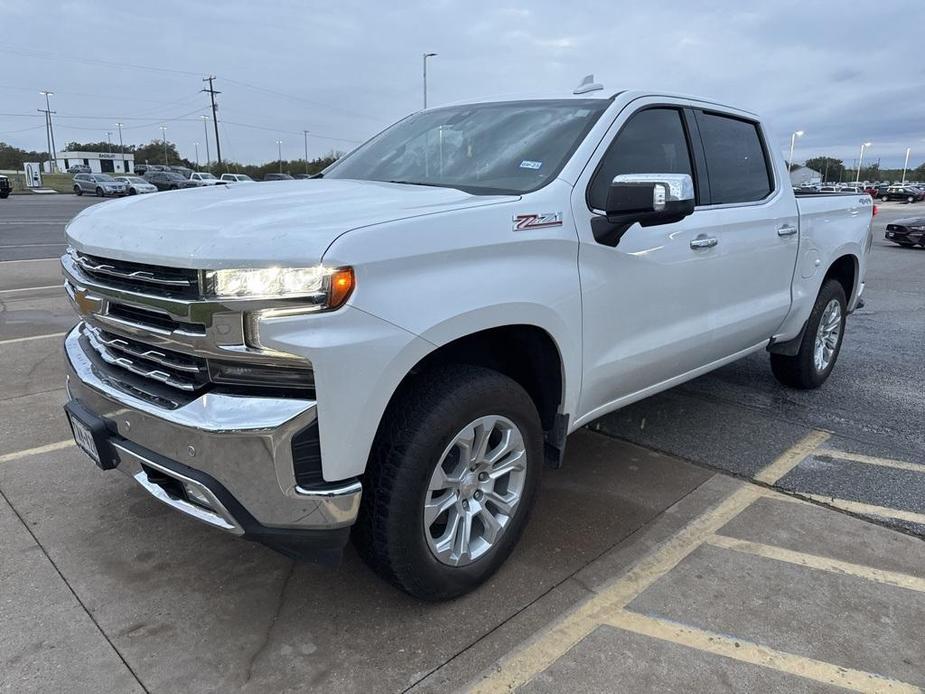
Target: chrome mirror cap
666,187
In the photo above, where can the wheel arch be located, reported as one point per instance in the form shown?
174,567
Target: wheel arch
844,270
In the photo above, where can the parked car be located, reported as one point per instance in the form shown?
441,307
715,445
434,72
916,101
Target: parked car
907,232
137,185
144,169
182,170
169,180
236,178
402,346
5,187
101,184
206,179
277,177
78,168
906,193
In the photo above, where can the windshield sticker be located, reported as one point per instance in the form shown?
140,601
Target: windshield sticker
527,164
522,222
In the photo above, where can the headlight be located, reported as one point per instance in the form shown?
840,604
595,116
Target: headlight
328,288
917,228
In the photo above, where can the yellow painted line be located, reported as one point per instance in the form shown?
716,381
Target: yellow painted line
756,654
814,561
48,448
792,457
867,509
525,663
30,339
871,460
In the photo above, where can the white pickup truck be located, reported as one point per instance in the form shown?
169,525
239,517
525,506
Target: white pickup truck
393,349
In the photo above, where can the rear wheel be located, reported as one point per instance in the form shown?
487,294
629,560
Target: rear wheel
810,367
451,479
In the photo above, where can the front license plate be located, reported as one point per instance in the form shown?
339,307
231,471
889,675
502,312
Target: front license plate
83,437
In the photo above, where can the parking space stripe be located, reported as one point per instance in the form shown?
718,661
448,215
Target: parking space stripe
792,457
867,509
870,460
47,448
756,654
31,289
815,561
524,664
29,339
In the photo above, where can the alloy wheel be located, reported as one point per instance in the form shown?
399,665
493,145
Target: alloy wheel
475,490
827,335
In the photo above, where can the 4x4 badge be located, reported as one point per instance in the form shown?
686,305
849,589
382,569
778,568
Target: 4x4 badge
522,222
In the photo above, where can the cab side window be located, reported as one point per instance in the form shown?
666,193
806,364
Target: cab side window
735,158
652,141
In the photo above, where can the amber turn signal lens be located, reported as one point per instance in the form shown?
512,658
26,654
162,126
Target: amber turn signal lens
342,283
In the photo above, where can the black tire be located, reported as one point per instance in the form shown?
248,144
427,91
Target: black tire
905,244
910,199
4,195
416,430
132,191
174,188
78,190
799,371
100,193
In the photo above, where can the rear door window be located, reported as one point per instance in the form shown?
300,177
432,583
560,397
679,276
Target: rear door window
736,160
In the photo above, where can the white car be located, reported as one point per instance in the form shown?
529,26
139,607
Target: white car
400,345
236,178
136,185
206,179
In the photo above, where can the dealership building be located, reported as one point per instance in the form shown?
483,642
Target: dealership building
99,162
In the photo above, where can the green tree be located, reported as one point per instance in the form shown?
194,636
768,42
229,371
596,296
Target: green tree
832,169
153,153
96,147
12,158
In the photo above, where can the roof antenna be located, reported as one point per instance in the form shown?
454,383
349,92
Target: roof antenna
588,85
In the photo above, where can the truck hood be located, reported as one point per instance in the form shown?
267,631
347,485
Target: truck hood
282,222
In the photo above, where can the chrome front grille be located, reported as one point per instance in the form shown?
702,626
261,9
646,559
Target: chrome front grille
181,371
140,277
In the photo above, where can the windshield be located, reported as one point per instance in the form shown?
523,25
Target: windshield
497,148
206,176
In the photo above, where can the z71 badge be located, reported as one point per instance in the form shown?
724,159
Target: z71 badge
522,222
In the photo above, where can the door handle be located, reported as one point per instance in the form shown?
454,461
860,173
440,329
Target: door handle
786,230
704,242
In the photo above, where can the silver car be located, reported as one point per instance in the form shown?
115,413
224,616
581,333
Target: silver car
136,185
101,184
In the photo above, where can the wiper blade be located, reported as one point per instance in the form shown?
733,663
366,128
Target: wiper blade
418,183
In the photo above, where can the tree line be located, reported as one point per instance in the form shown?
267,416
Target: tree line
154,153
834,170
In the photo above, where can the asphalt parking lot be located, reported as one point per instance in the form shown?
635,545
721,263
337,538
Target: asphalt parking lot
701,540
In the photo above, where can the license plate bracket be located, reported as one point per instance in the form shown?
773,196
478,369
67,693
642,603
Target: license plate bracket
91,435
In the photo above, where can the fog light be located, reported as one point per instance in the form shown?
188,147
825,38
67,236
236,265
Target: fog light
195,495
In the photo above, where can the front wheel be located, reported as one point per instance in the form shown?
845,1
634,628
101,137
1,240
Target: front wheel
100,193
910,199
78,190
132,191
451,479
810,367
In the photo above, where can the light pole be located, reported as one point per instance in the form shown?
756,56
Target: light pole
205,131
52,159
109,140
196,145
906,164
121,146
426,56
793,140
305,133
860,161
279,154
164,138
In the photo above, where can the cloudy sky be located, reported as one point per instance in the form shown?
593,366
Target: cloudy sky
844,72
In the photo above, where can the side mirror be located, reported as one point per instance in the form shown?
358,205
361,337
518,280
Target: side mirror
647,199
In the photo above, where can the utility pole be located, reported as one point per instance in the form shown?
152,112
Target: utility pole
121,146
52,160
212,93
205,131
305,133
164,137
279,154
426,56
196,145
906,164
109,140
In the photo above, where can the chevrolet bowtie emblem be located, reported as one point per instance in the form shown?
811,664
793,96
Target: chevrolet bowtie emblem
84,302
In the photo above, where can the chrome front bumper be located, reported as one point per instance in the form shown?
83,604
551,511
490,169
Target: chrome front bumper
238,448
